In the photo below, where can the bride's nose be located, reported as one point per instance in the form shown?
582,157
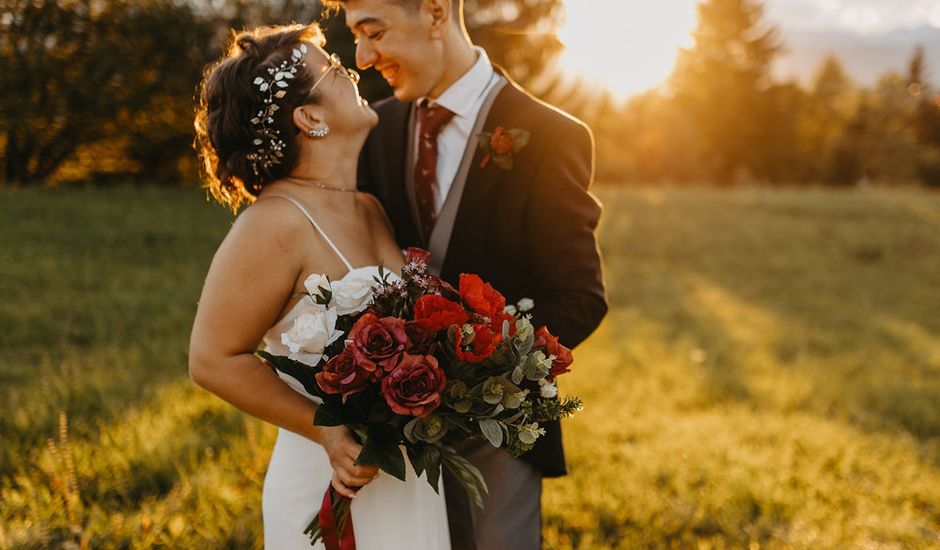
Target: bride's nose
366,56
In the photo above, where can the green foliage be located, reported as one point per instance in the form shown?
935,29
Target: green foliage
77,72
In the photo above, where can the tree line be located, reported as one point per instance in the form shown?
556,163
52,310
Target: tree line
103,91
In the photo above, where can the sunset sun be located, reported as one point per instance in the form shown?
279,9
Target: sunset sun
628,47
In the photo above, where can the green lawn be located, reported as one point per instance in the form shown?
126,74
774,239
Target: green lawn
768,377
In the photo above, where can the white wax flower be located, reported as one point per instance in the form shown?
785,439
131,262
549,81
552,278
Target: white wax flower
547,389
526,304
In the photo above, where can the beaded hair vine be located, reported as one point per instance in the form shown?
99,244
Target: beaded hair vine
269,145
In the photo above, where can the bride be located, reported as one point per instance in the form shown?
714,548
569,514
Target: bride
279,127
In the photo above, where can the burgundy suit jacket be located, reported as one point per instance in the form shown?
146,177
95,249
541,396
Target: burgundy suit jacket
529,231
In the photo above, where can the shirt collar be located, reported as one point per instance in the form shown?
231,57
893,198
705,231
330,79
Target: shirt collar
461,97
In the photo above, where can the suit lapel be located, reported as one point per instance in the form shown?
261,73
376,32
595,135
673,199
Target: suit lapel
443,228
477,204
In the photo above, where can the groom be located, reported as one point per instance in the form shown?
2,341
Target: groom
494,182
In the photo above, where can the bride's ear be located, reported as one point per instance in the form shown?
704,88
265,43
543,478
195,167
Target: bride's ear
309,120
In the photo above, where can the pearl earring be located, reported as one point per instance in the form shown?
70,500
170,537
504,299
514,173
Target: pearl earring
319,133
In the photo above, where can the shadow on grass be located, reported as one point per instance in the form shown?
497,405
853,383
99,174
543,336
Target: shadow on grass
830,291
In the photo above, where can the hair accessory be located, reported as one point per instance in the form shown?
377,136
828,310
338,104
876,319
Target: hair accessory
269,147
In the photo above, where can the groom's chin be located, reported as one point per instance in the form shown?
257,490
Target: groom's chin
403,94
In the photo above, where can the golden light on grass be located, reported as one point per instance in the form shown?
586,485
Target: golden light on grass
627,46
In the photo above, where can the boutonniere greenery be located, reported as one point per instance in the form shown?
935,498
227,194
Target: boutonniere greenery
500,145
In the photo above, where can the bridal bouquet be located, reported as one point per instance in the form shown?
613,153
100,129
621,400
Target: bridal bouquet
422,366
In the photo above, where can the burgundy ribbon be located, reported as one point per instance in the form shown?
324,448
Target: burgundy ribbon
329,530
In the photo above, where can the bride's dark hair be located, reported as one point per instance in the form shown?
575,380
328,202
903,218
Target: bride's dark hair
227,139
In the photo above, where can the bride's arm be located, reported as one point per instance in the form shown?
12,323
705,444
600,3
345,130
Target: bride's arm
252,276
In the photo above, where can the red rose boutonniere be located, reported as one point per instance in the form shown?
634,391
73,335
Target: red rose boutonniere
501,144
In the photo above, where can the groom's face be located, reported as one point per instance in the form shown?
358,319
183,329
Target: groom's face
400,41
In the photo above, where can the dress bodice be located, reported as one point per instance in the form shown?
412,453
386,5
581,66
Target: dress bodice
272,338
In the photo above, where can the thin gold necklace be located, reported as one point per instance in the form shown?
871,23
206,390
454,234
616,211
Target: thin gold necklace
321,185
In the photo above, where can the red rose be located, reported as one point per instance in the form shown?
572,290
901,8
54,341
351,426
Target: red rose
437,313
501,142
378,343
420,338
342,375
482,346
481,297
415,255
563,359
414,387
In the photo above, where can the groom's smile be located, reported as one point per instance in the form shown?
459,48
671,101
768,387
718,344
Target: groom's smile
399,40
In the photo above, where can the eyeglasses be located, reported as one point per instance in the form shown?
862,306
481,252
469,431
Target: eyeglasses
335,63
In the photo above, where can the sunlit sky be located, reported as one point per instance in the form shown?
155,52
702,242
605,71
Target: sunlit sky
639,39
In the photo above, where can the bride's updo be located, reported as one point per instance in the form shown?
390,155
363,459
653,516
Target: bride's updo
245,134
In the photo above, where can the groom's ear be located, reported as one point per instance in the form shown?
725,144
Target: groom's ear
440,12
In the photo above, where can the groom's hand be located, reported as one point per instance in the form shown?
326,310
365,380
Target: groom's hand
343,450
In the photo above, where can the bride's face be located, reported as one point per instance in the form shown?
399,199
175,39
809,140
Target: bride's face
343,109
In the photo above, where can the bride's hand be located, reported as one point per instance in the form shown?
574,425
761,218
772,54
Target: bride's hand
342,450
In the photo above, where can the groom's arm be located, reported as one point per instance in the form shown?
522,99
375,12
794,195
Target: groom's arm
561,223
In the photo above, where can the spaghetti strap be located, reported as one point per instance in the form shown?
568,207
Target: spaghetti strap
319,229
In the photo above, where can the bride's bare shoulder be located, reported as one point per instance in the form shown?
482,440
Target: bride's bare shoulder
268,220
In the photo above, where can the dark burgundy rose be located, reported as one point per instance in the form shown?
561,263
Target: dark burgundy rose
414,387
342,375
547,341
420,338
378,343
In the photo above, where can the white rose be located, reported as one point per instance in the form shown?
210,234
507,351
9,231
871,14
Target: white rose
547,389
526,304
316,284
352,293
313,330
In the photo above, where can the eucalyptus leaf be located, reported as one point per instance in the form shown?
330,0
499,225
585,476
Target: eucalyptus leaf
492,432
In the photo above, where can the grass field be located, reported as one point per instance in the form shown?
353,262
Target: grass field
768,377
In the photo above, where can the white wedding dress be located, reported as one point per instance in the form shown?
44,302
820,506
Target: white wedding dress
387,514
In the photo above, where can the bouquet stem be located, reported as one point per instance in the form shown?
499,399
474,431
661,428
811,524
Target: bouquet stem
333,523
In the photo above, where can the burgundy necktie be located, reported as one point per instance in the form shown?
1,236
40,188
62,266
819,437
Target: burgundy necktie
431,120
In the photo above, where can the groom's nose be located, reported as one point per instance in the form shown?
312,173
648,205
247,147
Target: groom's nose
366,56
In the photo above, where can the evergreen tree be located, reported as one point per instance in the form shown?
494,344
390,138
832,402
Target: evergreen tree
722,84
926,117
829,108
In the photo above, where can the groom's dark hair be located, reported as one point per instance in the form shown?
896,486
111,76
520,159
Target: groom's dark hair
411,5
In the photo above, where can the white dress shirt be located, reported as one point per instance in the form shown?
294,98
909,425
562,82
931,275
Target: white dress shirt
464,98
